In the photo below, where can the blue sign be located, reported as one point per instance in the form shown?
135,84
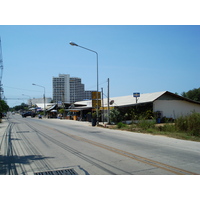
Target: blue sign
136,94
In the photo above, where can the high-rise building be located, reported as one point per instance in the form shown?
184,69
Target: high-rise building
68,90
61,88
88,94
77,90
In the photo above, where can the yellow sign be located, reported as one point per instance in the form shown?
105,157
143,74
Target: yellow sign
94,95
106,108
95,99
94,103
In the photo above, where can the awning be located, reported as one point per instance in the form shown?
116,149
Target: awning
52,107
78,109
53,111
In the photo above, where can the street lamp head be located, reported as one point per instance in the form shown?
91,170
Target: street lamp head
73,44
33,83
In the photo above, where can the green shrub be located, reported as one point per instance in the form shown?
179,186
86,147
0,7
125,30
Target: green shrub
194,124
115,116
94,115
150,130
167,128
62,110
121,125
190,124
181,123
146,124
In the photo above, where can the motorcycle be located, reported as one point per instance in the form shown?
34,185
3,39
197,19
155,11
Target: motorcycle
39,116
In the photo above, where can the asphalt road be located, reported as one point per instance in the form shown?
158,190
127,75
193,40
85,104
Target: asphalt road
52,146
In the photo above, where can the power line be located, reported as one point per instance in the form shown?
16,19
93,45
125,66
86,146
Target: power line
15,98
49,93
22,89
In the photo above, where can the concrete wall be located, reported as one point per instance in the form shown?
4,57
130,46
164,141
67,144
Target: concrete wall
175,108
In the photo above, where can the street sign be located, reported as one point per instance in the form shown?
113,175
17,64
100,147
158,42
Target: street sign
136,94
94,103
94,95
59,103
95,99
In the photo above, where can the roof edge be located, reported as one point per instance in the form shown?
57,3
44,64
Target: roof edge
180,97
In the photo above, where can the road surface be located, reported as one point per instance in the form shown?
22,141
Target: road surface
52,146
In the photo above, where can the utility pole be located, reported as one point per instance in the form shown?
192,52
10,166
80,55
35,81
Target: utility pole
1,72
102,116
108,111
63,103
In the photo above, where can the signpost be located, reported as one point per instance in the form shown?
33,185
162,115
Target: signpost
59,103
136,95
96,100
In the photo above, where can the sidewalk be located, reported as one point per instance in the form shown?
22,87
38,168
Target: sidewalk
3,126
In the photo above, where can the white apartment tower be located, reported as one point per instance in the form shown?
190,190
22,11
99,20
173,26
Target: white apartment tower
77,90
68,90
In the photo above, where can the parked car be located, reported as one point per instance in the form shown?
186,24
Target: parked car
29,113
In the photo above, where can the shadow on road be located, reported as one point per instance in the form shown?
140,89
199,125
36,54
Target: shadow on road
8,163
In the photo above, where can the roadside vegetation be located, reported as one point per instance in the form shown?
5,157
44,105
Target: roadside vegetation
3,106
23,106
3,109
187,128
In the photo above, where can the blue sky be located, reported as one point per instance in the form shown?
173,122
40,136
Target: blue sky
135,58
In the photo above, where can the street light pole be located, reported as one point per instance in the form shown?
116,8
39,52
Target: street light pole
44,97
74,44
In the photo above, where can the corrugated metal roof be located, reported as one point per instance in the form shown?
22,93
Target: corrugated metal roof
127,100
130,100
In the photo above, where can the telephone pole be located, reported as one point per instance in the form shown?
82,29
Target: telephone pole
108,111
1,73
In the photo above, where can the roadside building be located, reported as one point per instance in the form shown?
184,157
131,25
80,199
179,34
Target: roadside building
165,104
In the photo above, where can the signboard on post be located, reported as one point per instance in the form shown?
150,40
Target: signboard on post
59,103
94,103
96,96
136,95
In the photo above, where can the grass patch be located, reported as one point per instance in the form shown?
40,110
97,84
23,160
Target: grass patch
146,124
186,128
121,125
168,130
189,124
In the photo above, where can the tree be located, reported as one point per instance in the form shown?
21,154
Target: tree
62,110
192,94
115,115
3,106
23,106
